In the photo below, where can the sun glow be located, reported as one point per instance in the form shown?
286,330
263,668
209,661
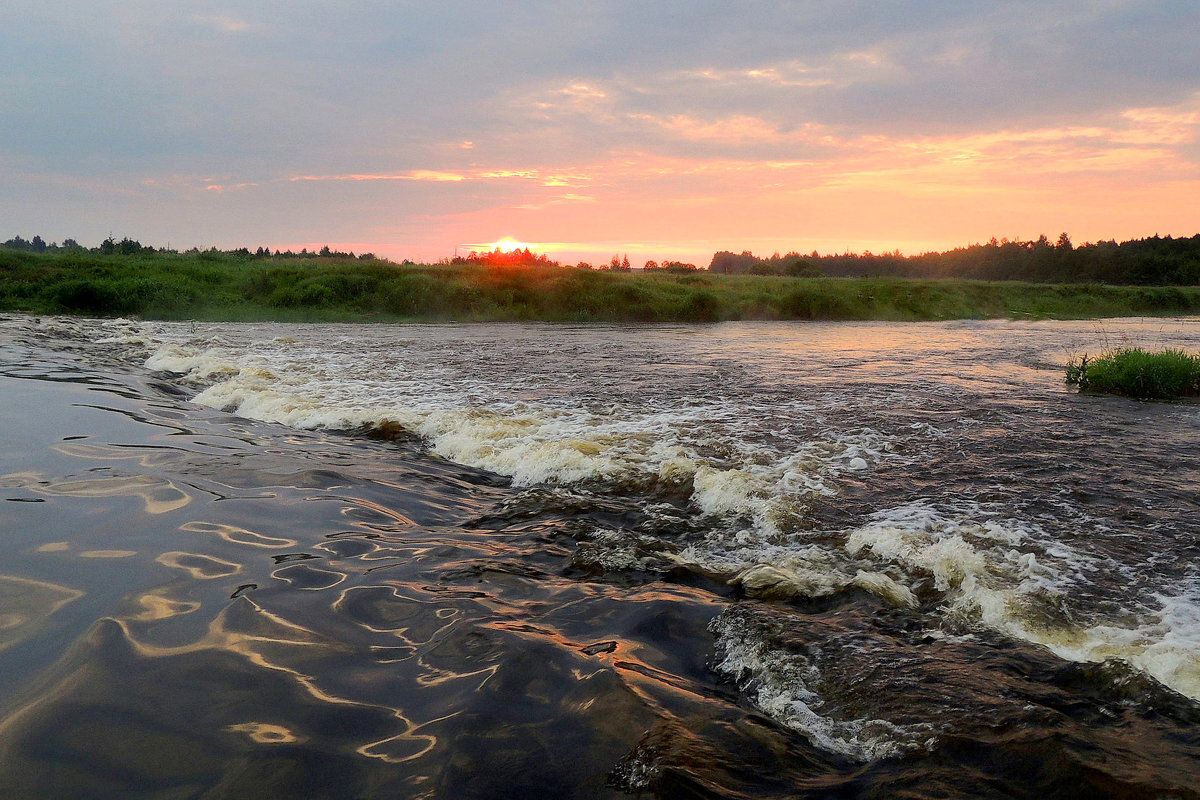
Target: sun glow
509,245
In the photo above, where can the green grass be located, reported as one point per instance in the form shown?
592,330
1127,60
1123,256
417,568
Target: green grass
1135,372
226,286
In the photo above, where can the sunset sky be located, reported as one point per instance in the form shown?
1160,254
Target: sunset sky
661,130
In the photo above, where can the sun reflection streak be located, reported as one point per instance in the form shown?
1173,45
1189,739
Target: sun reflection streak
275,630
26,603
159,495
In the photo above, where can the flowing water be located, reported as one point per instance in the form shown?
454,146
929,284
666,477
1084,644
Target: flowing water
511,561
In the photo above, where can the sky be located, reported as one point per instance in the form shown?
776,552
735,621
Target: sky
664,130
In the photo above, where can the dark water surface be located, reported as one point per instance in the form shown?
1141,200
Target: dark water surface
511,561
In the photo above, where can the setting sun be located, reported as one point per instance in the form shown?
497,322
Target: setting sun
509,245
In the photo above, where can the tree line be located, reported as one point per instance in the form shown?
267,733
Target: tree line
132,247
1157,260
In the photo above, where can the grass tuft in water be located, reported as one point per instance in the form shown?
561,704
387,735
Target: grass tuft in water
1135,372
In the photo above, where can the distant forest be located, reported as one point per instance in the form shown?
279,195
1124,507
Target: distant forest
1158,260
132,247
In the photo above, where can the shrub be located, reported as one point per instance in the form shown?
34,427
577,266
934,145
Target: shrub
702,306
799,267
94,296
348,287
407,294
261,286
309,294
815,303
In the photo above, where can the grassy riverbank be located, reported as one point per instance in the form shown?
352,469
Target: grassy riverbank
221,286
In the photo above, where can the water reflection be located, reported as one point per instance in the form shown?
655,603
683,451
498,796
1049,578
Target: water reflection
160,496
25,604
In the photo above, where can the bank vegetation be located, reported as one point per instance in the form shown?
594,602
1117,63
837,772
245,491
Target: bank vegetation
241,285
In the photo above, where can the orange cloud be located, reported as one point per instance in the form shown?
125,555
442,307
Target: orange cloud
435,176
731,130
789,74
837,69
543,177
220,188
576,97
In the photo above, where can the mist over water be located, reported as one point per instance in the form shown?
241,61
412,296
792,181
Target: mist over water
759,560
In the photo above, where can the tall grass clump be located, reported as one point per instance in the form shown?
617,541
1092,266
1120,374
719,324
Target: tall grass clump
1135,372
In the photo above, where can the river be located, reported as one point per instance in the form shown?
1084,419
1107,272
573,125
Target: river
748,560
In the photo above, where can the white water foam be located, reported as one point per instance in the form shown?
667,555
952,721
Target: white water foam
782,685
732,476
126,332
1006,575
975,566
1166,645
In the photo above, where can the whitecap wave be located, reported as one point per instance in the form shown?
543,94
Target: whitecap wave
756,482
1008,575
785,686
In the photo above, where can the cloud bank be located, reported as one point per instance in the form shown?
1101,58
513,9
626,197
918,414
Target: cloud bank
642,127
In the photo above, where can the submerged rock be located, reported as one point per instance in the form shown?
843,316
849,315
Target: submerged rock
772,583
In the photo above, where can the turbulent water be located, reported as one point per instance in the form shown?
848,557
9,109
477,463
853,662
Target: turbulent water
493,561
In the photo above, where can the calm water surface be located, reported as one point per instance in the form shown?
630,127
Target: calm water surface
494,561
